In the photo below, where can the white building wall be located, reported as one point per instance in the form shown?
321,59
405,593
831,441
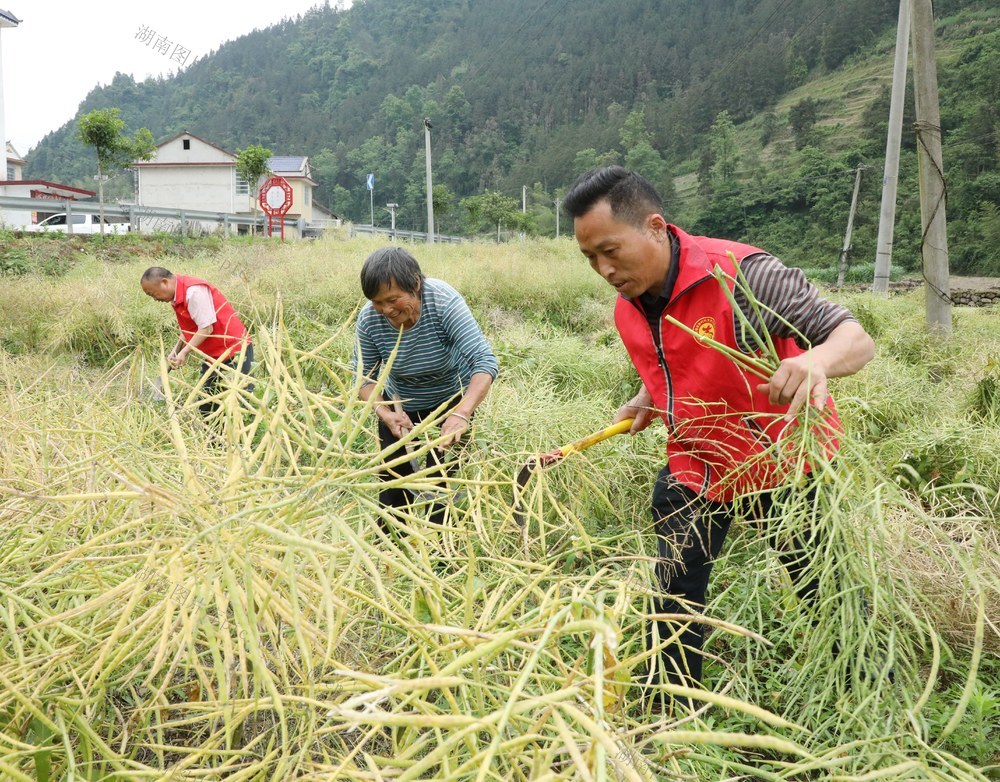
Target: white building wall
207,188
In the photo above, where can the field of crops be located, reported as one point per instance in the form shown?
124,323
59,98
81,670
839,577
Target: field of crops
192,601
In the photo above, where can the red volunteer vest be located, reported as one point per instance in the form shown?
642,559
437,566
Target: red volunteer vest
725,439
228,333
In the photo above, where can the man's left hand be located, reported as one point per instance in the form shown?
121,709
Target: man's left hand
178,361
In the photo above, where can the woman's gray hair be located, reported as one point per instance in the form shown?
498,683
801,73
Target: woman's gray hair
388,265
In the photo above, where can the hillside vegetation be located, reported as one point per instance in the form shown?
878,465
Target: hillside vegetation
750,117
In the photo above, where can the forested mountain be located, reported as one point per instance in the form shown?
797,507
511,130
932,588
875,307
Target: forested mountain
700,95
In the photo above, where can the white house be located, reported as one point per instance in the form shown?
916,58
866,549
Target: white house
17,186
15,164
295,170
188,172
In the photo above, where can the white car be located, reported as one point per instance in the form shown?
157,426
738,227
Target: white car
82,224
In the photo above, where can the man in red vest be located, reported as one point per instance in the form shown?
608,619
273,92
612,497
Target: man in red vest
723,421
209,325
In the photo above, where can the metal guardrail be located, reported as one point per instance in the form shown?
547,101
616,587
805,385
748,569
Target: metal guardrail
412,236
134,212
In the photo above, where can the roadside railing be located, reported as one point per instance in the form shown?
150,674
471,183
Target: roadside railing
155,218
410,236
152,218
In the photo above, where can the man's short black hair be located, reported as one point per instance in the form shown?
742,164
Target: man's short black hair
388,265
155,274
631,197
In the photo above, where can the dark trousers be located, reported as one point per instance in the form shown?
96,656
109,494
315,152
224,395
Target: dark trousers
690,531
398,497
214,375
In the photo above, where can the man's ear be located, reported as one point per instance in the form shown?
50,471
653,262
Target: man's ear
657,226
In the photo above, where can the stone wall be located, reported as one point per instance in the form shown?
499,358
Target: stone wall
986,296
969,298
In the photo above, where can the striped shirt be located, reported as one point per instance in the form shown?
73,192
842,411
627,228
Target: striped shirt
437,356
789,304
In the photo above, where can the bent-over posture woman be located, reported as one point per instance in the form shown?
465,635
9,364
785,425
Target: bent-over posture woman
443,358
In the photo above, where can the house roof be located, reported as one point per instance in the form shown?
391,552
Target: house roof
52,188
292,166
7,19
279,164
13,156
194,135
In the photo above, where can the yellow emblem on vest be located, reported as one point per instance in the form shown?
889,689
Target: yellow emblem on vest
705,327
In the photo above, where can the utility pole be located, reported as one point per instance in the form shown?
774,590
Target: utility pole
842,266
524,199
934,239
558,204
392,211
430,189
890,177
8,19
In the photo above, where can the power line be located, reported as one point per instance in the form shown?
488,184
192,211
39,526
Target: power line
760,189
750,40
717,76
500,49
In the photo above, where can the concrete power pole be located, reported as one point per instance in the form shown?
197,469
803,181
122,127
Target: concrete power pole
842,266
7,19
934,241
430,189
887,216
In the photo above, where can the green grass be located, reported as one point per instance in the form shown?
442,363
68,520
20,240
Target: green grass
189,601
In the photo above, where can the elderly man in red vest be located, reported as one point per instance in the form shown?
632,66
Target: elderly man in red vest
722,421
209,325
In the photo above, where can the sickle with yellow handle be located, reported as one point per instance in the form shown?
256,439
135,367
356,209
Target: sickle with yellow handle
550,458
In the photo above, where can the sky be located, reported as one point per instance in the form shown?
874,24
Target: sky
64,48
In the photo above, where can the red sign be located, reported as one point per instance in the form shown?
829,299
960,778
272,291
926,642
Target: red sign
275,196
275,199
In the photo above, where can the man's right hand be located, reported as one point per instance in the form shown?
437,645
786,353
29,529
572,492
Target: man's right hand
638,407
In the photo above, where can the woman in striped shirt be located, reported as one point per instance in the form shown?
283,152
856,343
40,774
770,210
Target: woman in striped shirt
443,364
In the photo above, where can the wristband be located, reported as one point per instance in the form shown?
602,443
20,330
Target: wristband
378,405
464,418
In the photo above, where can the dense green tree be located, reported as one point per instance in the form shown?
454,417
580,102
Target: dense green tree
768,127
589,158
252,166
494,208
633,132
444,204
648,162
104,130
796,67
725,151
802,117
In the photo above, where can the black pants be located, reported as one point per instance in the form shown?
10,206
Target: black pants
690,531
214,375
398,497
